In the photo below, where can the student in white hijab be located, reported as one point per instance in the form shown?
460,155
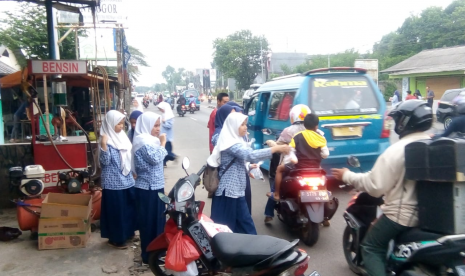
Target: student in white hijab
148,155
117,221
167,119
231,152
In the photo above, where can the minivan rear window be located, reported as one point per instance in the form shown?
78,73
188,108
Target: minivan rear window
342,95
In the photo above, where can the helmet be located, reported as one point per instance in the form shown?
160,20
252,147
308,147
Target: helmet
299,112
412,116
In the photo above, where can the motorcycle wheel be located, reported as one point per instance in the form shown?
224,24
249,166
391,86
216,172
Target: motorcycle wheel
310,233
350,253
157,263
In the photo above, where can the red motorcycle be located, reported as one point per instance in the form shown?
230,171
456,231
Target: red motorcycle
192,107
214,253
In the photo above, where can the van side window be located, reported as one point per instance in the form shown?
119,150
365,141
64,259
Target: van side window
280,106
252,106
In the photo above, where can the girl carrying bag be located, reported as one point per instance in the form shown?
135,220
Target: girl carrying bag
211,177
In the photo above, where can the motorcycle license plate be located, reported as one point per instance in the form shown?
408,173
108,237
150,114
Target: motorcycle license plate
314,196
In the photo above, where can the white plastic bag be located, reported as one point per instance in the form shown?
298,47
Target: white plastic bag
257,173
191,271
290,158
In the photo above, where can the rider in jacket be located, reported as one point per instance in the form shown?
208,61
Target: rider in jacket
400,211
457,124
181,101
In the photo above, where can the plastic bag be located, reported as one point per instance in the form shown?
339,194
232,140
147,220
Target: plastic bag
290,158
181,251
257,173
191,271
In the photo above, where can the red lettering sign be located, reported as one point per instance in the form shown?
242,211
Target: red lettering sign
58,67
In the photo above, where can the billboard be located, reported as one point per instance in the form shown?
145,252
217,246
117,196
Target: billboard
110,11
105,45
371,65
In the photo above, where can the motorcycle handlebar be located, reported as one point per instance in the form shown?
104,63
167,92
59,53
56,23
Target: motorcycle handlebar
202,170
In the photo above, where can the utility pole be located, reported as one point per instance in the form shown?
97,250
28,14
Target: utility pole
261,58
50,30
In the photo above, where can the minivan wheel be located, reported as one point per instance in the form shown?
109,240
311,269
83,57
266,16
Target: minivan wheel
447,122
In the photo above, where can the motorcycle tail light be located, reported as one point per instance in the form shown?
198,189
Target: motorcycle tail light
297,270
314,181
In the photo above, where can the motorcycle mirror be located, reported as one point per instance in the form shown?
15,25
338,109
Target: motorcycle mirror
186,163
353,161
164,198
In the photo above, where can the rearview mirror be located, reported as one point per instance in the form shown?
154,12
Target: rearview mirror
186,163
353,161
164,198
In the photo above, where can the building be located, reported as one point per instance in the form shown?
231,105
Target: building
440,69
7,57
6,69
292,60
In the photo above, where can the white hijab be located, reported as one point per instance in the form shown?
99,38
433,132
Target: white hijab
119,141
167,111
142,133
229,136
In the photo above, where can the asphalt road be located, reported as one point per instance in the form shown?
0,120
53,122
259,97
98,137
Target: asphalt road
191,140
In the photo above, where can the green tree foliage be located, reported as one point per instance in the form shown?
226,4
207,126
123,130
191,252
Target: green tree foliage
27,31
160,87
142,89
137,59
238,56
174,77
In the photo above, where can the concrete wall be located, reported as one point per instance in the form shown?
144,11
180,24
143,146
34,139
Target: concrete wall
12,155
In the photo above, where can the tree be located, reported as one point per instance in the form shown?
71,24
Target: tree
27,31
238,56
174,77
142,89
137,59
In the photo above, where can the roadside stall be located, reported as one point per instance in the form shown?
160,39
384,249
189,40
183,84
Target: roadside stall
63,160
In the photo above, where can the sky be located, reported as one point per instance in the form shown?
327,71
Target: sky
180,33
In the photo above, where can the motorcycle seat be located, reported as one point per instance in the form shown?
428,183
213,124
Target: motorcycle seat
241,250
417,235
313,171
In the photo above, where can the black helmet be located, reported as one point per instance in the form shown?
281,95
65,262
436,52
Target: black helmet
412,116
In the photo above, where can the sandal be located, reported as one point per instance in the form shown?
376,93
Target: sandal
268,219
118,246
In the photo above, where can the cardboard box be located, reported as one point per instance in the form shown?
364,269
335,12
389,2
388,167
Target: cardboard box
55,233
65,221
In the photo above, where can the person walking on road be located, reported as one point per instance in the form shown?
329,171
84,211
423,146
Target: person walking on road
167,123
117,222
148,155
429,96
221,99
229,206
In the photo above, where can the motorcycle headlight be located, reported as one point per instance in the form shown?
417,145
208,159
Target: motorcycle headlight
185,192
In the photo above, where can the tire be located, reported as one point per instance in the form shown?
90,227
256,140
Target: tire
349,254
447,121
310,233
157,263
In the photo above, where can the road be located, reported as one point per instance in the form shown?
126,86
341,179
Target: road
191,140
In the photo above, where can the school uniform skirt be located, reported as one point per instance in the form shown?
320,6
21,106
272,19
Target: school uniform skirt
118,215
234,213
151,217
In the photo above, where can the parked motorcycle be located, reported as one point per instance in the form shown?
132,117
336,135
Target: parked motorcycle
305,203
181,110
414,253
225,253
192,107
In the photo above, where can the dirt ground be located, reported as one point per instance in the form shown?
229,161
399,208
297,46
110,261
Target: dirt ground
20,257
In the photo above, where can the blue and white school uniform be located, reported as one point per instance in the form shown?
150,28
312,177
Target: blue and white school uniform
167,128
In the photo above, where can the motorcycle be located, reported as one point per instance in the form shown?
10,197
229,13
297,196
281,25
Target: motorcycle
413,253
146,103
209,100
192,107
222,253
305,203
181,110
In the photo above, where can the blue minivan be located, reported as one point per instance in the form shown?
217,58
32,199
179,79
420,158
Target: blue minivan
351,109
195,93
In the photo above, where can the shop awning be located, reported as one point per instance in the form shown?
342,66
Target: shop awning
13,79
76,81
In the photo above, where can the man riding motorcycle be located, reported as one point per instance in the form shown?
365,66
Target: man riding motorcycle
181,101
386,178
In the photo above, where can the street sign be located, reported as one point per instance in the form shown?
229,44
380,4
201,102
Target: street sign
63,67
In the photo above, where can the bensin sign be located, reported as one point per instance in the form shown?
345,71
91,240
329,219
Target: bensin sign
64,67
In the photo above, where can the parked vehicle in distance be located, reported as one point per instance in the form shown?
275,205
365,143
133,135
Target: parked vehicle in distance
446,108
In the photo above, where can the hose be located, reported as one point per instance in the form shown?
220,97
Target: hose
94,83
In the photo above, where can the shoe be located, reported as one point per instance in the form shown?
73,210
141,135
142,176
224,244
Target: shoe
118,246
268,219
326,223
